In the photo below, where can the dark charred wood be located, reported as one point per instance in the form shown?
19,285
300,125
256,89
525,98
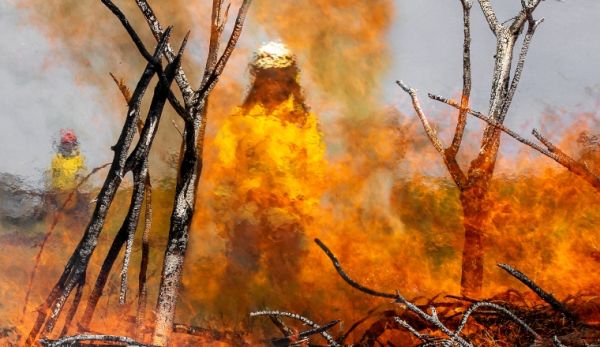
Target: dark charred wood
76,266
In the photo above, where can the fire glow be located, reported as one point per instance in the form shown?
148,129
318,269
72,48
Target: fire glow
275,178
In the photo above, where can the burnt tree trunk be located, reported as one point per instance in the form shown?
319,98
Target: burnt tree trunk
474,185
476,211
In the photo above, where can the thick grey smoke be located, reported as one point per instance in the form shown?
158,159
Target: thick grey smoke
38,97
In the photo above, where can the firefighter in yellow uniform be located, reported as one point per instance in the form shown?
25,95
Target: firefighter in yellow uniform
270,171
271,162
65,171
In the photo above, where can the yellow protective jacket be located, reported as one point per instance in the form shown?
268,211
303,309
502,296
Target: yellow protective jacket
267,163
65,171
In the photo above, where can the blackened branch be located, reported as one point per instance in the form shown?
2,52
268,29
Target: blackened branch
73,340
302,319
547,297
431,319
145,53
157,31
551,151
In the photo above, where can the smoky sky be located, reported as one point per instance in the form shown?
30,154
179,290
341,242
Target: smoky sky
39,95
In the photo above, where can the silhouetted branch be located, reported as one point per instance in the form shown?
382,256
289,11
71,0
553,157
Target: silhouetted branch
144,52
316,328
72,340
157,31
55,219
547,297
431,319
551,151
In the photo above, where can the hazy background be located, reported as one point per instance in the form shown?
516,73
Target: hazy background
42,90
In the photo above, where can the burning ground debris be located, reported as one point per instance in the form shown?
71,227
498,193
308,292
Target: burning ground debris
507,319
271,188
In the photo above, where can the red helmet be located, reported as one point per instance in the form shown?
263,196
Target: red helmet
68,137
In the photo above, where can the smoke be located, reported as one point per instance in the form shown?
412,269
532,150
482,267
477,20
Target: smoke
342,43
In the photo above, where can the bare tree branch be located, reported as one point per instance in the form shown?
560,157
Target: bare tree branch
520,64
431,133
431,319
72,340
551,151
156,28
528,6
142,283
547,297
304,320
210,82
144,52
490,15
466,91
449,159
494,123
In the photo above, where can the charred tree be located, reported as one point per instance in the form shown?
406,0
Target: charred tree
549,149
193,112
474,184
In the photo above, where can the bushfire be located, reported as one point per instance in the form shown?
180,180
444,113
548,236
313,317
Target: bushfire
340,230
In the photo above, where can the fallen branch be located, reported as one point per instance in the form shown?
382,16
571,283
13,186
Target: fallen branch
300,339
317,328
71,340
547,297
431,319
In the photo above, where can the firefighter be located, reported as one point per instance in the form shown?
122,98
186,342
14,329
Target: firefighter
65,170
270,170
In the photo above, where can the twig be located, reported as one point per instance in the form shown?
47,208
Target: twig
70,340
431,319
285,330
304,335
431,133
412,330
557,342
303,319
551,151
496,307
55,219
547,297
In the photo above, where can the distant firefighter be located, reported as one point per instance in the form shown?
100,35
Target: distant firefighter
271,162
66,168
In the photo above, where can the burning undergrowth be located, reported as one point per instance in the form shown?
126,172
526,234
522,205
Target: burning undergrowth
278,174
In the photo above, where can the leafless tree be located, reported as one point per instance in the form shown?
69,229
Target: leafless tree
578,167
193,112
475,182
